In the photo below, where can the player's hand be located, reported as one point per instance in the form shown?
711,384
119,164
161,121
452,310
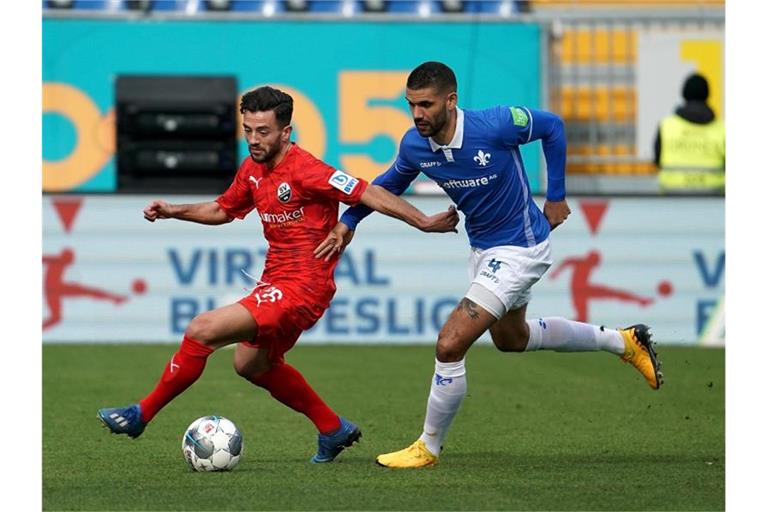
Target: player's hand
335,243
556,212
443,222
157,210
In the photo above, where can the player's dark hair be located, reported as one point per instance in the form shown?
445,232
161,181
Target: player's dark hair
432,74
267,98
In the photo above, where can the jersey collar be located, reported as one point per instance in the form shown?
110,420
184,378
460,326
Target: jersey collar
458,135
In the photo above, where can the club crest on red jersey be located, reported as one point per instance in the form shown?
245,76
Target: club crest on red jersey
284,192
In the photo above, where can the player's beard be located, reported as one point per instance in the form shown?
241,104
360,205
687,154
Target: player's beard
430,128
267,155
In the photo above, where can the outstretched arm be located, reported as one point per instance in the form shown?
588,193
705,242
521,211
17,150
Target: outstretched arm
377,198
382,201
393,180
203,213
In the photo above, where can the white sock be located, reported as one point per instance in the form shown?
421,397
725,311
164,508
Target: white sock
449,385
561,335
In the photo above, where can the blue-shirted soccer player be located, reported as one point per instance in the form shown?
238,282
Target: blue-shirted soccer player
474,156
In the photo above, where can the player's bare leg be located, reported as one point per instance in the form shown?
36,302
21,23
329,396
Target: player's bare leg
449,385
222,326
513,333
207,332
289,387
251,362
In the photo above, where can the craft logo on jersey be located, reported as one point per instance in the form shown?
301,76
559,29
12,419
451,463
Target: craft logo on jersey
427,165
284,192
482,158
494,265
343,182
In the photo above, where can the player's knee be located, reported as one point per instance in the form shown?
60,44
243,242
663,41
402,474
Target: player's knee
251,369
510,340
241,367
449,348
201,329
509,345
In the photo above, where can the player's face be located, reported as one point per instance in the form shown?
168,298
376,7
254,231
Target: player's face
430,109
264,136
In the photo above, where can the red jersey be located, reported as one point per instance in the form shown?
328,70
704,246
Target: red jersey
298,202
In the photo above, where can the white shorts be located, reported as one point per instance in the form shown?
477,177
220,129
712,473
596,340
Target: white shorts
508,272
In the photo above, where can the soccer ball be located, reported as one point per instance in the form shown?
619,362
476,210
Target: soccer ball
212,443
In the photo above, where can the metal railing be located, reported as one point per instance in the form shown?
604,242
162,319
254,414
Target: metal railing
592,80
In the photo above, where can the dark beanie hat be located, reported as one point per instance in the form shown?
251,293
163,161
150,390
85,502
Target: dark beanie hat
695,88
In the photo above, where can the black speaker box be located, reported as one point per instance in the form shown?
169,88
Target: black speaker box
175,134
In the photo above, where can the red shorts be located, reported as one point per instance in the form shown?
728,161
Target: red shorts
281,317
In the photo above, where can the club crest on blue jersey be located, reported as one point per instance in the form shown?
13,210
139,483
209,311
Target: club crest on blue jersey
482,158
284,192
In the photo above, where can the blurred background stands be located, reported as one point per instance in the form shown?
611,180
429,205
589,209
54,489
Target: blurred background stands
272,7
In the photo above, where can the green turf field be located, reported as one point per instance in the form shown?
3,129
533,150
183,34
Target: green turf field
539,431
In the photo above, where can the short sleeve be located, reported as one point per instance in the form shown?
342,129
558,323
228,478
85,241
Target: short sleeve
237,201
322,180
515,125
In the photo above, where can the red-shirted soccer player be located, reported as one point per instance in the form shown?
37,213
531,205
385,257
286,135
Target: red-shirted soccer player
297,197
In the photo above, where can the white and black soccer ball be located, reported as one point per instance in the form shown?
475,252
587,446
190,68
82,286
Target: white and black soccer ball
212,443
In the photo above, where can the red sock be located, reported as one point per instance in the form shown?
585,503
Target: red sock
288,386
184,368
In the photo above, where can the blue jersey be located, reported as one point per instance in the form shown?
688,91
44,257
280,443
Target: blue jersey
482,172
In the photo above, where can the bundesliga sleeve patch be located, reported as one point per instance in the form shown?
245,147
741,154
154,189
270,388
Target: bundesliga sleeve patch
519,117
343,182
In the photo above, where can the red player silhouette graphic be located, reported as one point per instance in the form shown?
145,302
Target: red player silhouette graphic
56,288
582,291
